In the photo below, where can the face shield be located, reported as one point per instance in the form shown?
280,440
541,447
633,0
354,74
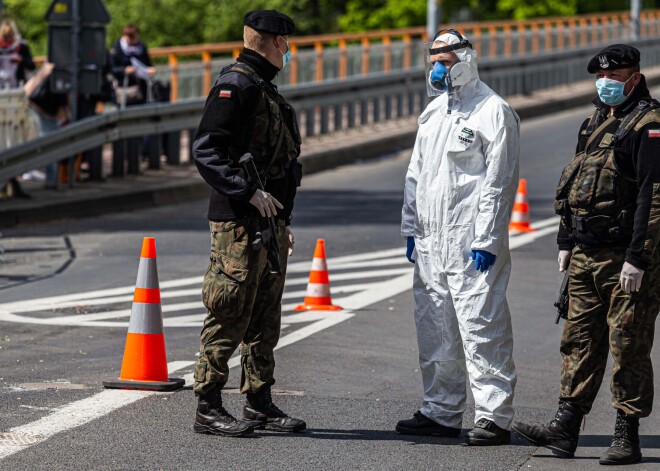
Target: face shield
439,79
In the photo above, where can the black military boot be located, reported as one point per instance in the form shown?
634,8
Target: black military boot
259,407
560,435
625,443
213,418
486,433
422,425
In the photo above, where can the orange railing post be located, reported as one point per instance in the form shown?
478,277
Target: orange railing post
508,40
174,77
492,32
365,55
318,47
206,76
522,38
293,77
387,60
584,26
343,59
407,51
572,30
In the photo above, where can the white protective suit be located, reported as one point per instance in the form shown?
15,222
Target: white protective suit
459,191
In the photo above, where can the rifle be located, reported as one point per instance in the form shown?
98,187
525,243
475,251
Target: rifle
562,301
266,238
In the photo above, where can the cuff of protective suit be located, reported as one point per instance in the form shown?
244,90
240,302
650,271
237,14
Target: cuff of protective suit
486,247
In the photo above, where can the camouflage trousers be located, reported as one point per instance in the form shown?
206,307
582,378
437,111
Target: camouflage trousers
244,307
602,318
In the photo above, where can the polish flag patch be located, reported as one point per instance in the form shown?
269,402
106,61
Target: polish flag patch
225,94
654,133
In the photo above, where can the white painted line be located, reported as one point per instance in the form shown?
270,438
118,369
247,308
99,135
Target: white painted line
81,412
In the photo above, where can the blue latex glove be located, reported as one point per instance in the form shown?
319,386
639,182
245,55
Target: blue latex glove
482,259
410,248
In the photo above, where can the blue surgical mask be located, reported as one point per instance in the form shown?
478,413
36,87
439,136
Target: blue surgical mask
437,78
610,91
286,57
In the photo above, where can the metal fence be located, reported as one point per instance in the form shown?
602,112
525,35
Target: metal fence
322,108
341,56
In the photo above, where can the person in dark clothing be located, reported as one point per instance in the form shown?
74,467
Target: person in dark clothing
245,113
123,54
15,56
609,202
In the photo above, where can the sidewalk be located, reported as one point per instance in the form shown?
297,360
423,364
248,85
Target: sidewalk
176,184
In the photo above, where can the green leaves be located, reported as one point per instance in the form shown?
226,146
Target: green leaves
177,22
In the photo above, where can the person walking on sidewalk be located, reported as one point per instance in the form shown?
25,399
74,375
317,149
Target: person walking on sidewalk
245,113
609,202
459,192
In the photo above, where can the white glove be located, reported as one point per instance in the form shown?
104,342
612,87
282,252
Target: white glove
631,278
563,259
265,203
292,240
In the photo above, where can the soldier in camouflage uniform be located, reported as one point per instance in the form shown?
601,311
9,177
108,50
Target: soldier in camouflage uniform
609,202
244,113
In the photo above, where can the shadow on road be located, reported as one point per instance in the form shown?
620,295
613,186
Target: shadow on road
320,208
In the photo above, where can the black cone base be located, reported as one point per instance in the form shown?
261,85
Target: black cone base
172,384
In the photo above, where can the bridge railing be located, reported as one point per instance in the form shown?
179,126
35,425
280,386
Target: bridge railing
192,69
323,108
339,56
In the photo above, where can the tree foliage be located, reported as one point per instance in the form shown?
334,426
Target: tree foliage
177,22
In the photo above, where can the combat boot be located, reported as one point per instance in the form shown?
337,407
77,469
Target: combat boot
259,407
213,418
560,435
422,425
625,443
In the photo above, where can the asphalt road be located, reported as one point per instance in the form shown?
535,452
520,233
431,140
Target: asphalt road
350,375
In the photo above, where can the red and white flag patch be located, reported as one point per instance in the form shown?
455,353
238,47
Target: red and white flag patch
225,94
654,133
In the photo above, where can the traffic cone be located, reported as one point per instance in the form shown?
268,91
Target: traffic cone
520,215
318,289
145,363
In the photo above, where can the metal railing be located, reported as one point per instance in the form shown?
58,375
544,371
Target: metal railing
192,69
322,108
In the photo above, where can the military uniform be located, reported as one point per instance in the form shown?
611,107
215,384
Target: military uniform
240,116
244,113
608,198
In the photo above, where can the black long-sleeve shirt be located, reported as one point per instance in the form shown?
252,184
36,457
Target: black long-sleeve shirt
638,157
119,60
227,123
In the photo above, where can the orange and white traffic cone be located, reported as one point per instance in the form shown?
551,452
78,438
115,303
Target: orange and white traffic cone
145,362
520,215
318,289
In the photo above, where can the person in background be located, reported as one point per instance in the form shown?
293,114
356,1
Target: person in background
15,56
123,54
15,62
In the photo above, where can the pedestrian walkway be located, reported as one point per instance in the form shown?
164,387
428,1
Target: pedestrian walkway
176,184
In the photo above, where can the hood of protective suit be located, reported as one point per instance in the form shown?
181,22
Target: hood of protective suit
468,97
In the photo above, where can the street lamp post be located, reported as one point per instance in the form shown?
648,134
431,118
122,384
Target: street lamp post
635,9
433,16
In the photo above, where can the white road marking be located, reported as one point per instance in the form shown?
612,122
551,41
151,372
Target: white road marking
78,413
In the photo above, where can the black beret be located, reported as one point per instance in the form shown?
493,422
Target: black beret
616,56
269,21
